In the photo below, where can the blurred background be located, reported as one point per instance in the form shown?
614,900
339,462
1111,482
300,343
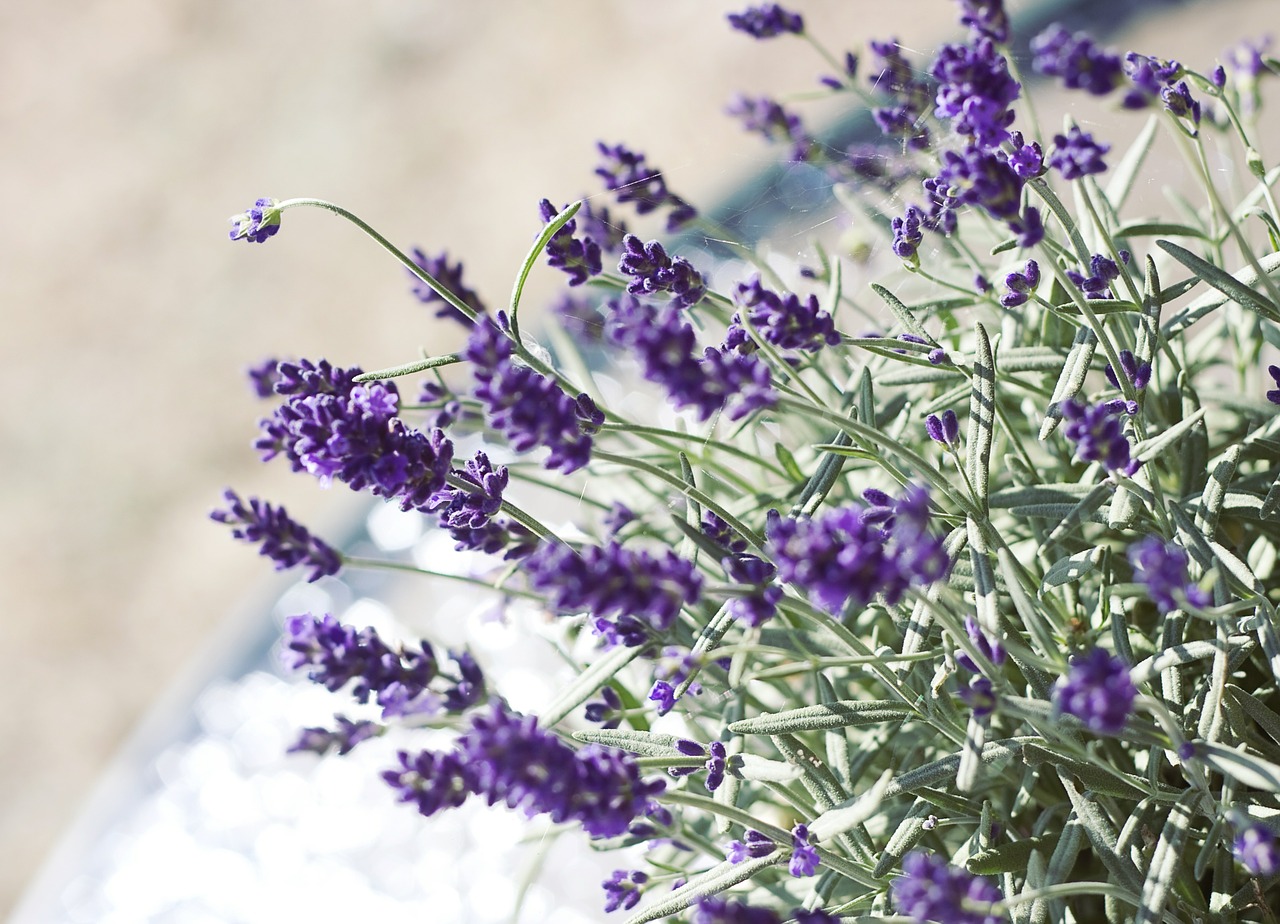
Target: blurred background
132,129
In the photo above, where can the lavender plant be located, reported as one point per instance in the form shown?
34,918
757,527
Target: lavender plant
925,598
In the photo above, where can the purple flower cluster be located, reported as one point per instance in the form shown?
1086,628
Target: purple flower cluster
804,859
1026,158
847,73
629,594
1102,272
285,541
775,124
607,711
347,734
911,96
507,758
975,91
528,408
665,344
752,846
600,226
1081,63
980,697
761,603
852,553
335,429
470,513
907,233
1021,285
1274,394
1256,849
717,761
1077,60
1076,154
786,321
944,429
1137,374
623,889
989,647
987,177
1097,690
263,377
256,223
1098,433
403,681
1162,567
767,21
449,276
653,272
986,19
628,173
580,259
713,909
931,889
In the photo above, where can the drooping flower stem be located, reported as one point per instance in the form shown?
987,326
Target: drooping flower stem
439,288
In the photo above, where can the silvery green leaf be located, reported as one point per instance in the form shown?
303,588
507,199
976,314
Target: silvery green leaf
1151,447
982,410
644,743
762,769
1064,493
836,821
584,686
1007,858
715,880
1072,568
908,833
1215,490
840,714
1102,835
1158,885
1152,228
1070,380
1246,769
1232,286
1060,864
1256,709
1125,172
945,768
1149,668
1094,778
902,313
971,755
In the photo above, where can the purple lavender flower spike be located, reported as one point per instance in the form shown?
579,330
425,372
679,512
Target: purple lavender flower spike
767,21
653,272
1099,436
342,739
334,654
853,553
1274,394
1162,567
637,591
623,889
1026,158
1148,76
1256,849
528,408
470,513
432,780
1102,272
1179,101
775,124
911,96
986,19
284,540
980,697
607,711
263,377
449,276
665,344
975,90
990,647
1077,60
983,178
752,846
335,429
1076,154
931,889
664,694
907,235
1097,690
1021,285
580,259
944,429
804,859
256,223
714,909
628,173
785,320
846,75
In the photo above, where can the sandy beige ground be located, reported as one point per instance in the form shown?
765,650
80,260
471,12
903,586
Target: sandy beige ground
131,129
